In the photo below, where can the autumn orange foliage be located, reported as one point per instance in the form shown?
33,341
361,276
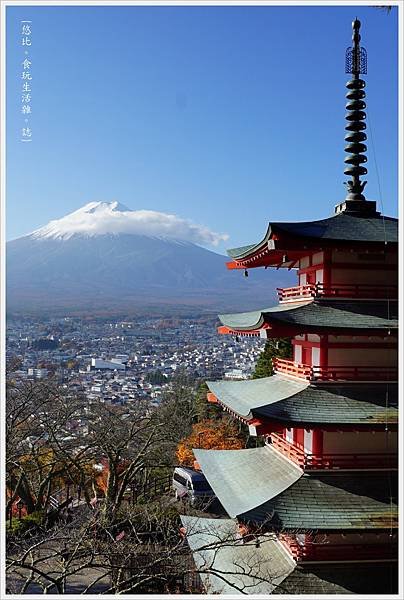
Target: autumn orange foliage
209,434
101,478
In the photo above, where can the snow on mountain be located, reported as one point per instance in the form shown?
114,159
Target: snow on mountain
113,218
107,257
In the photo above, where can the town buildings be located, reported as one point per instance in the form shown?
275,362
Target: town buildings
322,490
113,361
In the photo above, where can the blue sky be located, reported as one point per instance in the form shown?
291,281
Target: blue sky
228,116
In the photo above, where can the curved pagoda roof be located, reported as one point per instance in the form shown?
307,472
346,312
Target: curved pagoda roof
332,501
216,546
242,397
279,398
340,228
316,316
294,500
236,476
341,578
252,568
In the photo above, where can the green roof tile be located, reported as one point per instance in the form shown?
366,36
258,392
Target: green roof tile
319,314
340,227
242,568
236,476
332,501
357,578
243,396
262,485
283,399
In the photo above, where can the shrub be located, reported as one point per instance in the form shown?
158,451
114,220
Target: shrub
20,526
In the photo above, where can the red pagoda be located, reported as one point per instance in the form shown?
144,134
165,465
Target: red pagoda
325,481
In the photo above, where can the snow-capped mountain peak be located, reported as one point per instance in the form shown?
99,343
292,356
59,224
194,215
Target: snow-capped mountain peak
93,207
113,218
107,257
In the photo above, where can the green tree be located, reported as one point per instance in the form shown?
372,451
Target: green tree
178,413
274,348
156,377
203,408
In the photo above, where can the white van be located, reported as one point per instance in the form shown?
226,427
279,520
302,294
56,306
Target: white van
192,486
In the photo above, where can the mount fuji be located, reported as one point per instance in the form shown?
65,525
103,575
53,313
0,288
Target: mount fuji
106,257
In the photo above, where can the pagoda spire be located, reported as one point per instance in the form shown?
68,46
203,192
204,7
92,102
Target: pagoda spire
356,64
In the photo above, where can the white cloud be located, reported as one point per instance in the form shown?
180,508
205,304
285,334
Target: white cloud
98,218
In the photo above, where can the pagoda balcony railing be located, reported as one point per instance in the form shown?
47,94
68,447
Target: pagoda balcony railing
334,373
340,290
312,551
308,461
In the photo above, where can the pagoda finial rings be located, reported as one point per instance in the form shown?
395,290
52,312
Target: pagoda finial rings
355,126
355,84
355,104
355,171
355,159
355,136
356,148
355,115
355,63
355,94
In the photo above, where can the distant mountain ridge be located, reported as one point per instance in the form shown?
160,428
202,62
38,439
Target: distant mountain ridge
93,259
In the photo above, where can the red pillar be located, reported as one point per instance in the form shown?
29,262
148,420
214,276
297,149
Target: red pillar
323,350
327,268
317,442
298,437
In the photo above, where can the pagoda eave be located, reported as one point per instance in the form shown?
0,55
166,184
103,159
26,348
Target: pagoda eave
265,426
217,548
266,331
284,499
277,402
315,316
287,252
270,331
270,257
339,231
